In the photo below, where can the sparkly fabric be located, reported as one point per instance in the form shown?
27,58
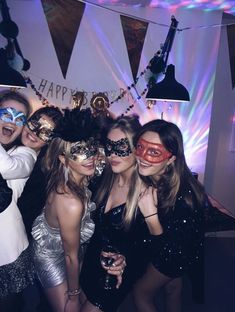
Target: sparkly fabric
48,253
16,276
109,230
180,249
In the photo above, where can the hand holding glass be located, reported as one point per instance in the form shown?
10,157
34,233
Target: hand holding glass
107,258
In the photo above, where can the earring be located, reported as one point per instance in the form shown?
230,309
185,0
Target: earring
66,174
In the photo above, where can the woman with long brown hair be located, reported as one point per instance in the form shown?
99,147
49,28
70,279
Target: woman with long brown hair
173,203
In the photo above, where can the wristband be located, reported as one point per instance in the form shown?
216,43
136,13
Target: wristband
153,214
74,292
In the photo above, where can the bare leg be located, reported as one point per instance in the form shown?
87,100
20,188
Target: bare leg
87,306
147,287
173,291
56,296
83,298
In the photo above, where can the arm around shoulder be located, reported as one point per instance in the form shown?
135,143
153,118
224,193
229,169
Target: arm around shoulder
17,163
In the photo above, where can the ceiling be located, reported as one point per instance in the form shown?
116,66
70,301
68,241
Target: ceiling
227,6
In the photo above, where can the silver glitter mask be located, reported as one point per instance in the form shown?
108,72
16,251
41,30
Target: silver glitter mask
83,150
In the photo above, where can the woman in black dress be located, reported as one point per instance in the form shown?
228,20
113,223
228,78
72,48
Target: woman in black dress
115,210
173,204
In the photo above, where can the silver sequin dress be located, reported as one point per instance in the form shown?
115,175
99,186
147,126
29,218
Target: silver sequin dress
48,252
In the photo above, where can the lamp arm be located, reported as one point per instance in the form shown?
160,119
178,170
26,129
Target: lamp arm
10,30
158,63
4,10
169,41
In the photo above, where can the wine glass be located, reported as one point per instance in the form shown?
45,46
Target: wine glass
108,281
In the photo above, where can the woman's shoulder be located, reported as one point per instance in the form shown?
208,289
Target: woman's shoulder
67,203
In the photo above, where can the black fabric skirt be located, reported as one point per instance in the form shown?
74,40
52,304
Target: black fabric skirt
16,276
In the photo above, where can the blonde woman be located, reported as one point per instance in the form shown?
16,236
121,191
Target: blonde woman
64,227
113,219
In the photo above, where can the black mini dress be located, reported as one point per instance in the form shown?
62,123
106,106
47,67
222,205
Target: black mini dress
109,230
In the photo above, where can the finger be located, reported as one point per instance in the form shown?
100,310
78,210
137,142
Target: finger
117,270
114,271
119,281
108,254
155,196
119,260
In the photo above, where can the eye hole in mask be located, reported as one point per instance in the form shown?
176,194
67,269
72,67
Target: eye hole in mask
42,128
152,152
10,114
120,148
83,150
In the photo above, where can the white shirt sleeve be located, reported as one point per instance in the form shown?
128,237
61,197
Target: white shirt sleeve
17,163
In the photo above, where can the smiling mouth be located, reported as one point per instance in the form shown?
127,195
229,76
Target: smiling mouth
32,138
143,164
89,166
8,131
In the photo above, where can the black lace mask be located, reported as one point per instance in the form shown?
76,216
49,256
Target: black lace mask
120,148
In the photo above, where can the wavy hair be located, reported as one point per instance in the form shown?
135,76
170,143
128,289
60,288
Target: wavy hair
75,125
177,175
54,170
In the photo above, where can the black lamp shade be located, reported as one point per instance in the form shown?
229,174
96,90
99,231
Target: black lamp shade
168,89
9,77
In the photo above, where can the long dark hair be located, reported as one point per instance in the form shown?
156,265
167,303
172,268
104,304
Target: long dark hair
177,175
52,112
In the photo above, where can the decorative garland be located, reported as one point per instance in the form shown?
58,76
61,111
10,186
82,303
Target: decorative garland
39,95
99,101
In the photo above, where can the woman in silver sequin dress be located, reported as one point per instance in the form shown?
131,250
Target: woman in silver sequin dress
65,224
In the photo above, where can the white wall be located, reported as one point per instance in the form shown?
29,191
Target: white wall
99,62
220,164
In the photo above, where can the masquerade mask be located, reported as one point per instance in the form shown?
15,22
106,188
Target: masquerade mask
120,148
10,114
83,150
151,152
42,128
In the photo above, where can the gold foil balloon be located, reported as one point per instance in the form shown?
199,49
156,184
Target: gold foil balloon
78,99
99,103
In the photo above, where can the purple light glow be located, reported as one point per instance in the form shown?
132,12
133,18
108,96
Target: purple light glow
207,5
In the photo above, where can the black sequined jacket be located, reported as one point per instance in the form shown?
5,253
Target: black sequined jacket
180,248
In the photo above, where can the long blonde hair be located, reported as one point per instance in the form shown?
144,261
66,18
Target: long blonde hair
55,171
128,125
